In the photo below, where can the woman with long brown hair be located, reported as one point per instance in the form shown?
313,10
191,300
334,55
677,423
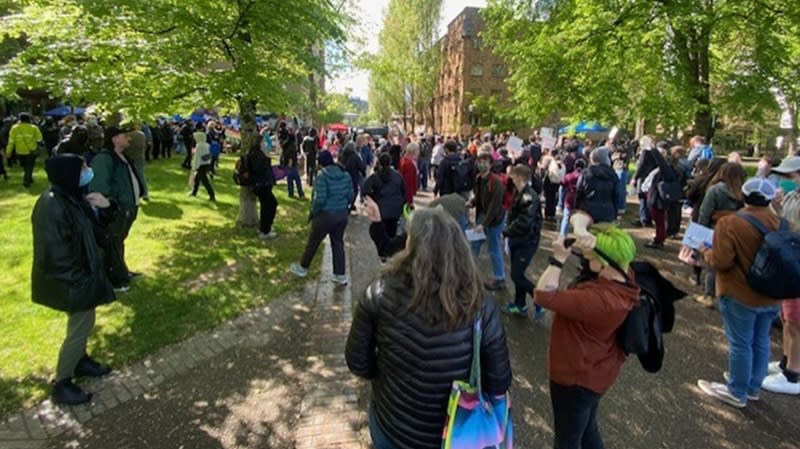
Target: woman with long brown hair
412,334
724,197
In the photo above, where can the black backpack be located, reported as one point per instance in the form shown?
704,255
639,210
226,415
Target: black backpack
777,261
241,172
463,178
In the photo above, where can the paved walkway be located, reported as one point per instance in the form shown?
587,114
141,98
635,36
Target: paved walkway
275,377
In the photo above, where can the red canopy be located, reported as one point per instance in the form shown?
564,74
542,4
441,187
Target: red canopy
338,127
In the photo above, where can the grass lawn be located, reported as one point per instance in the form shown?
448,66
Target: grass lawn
199,270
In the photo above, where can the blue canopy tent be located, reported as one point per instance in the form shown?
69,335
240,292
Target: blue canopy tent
583,128
62,111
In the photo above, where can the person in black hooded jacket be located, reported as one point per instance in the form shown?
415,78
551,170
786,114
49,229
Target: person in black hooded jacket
411,334
260,166
598,188
387,189
69,272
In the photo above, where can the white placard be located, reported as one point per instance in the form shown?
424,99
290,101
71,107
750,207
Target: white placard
473,236
514,144
546,133
697,236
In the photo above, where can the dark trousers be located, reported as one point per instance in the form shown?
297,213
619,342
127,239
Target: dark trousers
115,255
268,205
423,167
659,217
28,162
311,168
521,256
644,211
187,161
550,198
166,148
674,216
202,176
292,180
3,168
575,417
384,235
325,224
214,163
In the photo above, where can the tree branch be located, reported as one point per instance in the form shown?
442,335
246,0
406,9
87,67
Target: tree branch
157,33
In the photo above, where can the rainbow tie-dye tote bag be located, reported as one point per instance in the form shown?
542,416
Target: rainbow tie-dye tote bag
475,420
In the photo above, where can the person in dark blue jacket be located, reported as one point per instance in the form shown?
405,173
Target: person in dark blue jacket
598,188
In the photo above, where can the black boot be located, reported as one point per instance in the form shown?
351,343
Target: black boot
66,392
89,368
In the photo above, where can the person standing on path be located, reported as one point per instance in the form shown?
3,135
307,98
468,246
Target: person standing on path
260,166
489,213
408,170
784,375
425,301
23,139
584,357
69,272
747,314
522,231
116,178
310,148
330,208
387,189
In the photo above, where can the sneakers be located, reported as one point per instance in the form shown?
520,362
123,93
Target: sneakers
539,313
495,285
654,244
269,236
134,274
340,279
122,288
720,392
704,300
66,392
774,367
298,270
750,396
87,367
777,383
513,309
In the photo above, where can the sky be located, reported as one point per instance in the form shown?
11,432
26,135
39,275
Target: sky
371,19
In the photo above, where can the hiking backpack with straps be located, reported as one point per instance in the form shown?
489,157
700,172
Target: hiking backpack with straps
776,267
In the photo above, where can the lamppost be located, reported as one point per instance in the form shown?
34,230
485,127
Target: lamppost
471,109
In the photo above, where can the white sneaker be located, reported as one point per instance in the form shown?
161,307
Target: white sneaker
340,279
269,236
298,270
774,367
750,396
720,392
777,383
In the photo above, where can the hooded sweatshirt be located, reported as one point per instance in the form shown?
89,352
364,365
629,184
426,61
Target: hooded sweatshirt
597,193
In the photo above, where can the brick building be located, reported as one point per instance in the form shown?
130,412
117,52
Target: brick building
469,71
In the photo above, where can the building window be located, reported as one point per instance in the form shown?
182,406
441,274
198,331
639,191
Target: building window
498,70
477,42
477,70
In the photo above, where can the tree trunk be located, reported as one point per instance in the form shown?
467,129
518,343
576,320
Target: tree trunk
248,215
791,135
641,127
700,63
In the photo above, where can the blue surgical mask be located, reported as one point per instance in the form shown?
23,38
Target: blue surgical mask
86,177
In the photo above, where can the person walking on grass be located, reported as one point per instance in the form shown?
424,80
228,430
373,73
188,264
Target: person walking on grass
23,140
202,166
260,166
330,207
69,271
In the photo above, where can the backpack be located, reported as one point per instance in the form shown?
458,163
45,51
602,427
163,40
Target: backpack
463,180
241,172
777,261
508,194
555,172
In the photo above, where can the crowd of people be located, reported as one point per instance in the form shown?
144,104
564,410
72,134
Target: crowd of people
412,332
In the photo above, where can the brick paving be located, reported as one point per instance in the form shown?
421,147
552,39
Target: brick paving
329,417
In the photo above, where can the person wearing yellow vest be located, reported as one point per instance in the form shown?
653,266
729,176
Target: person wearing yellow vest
24,138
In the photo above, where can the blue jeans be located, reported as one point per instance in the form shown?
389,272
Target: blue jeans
562,195
644,211
565,221
747,329
622,200
494,239
292,179
422,166
379,439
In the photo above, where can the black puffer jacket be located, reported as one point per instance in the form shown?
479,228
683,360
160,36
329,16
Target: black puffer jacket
597,193
389,191
69,272
524,219
412,365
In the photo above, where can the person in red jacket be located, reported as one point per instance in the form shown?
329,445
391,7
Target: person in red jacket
408,169
584,358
